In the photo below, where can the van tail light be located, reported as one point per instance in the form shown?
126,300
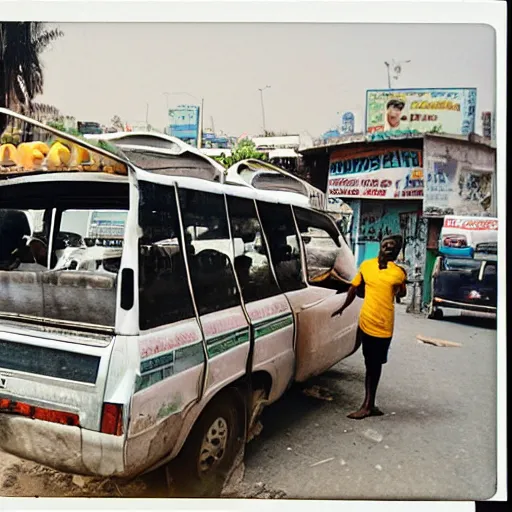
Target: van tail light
112,419
38,413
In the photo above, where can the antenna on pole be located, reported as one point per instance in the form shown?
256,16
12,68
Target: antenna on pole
395,69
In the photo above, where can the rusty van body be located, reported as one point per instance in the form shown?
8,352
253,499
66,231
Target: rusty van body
150,307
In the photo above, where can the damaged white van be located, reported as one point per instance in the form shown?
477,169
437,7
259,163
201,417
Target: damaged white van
147,316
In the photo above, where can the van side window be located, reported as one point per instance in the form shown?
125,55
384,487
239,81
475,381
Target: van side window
279,227
209,250
328,259
164,294
251,255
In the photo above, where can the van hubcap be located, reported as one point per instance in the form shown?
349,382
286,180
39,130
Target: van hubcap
214,444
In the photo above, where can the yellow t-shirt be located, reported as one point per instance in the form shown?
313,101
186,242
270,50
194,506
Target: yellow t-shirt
378,311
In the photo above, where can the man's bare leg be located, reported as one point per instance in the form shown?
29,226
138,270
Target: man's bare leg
368,408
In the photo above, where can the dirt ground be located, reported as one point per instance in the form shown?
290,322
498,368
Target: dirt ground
19,478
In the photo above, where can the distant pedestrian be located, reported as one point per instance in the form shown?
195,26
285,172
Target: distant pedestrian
380,281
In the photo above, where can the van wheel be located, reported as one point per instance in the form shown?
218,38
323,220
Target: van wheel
209,453
435,314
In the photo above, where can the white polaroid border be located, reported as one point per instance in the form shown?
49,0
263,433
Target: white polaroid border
489,12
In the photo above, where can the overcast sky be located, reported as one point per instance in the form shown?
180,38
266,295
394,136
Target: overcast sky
97,70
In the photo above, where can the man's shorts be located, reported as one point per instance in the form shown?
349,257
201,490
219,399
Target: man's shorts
375,350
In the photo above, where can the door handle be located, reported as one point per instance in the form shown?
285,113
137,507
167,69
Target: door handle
311,304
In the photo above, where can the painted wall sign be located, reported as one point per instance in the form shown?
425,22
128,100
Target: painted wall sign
379,219
425,110
452,188
471,223
347,123
487,125
390,174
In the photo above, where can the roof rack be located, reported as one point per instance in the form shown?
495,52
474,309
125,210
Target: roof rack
35,148
265,176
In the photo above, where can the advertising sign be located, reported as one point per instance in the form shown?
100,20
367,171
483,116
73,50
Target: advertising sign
390,174
107,224
461,234
184,122
453,189
424,110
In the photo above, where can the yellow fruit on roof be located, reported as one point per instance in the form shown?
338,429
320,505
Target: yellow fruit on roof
58,156
8,154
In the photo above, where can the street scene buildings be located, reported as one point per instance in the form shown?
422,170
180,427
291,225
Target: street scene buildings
181,293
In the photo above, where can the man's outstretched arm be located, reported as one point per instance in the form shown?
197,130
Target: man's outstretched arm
351,295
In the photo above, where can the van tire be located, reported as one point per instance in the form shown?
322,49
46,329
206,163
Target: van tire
204,463
435,314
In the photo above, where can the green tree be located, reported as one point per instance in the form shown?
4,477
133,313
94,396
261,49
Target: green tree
21,69
244,150
117,123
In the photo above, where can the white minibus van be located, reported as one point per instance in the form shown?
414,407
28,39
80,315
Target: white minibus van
149,309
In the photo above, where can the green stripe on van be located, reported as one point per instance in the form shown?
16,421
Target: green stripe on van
273,326
178,360
221,344
166,365
156,362
266,321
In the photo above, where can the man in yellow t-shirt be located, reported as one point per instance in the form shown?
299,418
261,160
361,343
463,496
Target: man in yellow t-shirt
382,281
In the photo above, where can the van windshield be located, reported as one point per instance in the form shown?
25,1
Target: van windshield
60,250
461,264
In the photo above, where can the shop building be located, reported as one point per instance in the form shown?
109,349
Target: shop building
404,183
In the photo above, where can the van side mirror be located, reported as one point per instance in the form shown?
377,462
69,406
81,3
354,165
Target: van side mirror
127,285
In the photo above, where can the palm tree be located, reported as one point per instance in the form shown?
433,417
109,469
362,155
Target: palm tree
21,70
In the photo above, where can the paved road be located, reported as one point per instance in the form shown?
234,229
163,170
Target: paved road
437,440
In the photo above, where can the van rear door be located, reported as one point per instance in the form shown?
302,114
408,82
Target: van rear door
54,372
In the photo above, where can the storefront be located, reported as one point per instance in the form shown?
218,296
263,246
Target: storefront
405,185
383,184
460,179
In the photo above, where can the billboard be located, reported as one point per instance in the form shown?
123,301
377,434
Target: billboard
393,173
423,110
184,122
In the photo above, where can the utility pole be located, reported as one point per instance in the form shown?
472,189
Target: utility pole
200,129
389,75
263,108
147,117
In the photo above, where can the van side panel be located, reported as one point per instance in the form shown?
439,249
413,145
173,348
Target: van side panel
170,369
273,324
227,340
323,341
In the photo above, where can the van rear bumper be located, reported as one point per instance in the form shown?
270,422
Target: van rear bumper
61,447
